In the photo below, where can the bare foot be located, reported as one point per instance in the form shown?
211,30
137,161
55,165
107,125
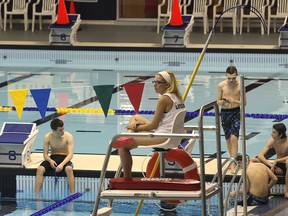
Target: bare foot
286,195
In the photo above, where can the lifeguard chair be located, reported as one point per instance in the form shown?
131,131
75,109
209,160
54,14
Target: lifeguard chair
166,189
178,36
283,37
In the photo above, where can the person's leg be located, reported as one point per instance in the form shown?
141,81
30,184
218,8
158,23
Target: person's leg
70,178
125,155
126,161
234,150
124,152
229,146
137,118
39,178
227,128
230,149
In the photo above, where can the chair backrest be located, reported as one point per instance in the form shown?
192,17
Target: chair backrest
48,5
199,6
259,5
18,5
178,125
226,5
229,4
282,7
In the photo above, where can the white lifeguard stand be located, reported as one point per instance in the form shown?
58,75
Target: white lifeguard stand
65,34
178,36
283,37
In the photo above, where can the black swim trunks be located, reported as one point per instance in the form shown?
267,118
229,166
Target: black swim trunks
230,120
58,159
252,200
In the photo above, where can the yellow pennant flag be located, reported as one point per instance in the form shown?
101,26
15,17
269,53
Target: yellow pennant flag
19,98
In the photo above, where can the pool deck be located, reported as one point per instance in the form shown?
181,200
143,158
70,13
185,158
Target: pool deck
120,35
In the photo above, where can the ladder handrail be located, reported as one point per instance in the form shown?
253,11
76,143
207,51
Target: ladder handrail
203,108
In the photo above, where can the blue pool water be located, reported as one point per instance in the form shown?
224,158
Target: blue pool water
29,207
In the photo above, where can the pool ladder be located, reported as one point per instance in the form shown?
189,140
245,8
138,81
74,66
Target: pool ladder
225,167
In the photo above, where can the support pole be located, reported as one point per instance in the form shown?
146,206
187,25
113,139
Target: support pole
243,133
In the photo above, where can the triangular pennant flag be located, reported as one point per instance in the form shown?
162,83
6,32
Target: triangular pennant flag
19,99
62,18
63,101
104,94
41,98
134,92
176,18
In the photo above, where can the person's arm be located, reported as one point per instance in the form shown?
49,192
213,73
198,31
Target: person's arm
261,155
135,122
220,100
46,141
273,178
280,160
163,103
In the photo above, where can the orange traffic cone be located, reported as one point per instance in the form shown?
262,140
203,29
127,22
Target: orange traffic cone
176,18
62,18
72,7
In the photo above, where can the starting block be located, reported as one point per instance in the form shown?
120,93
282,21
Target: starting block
283,37
65,34
16,140
178,36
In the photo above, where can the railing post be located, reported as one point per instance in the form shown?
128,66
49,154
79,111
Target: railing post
243,133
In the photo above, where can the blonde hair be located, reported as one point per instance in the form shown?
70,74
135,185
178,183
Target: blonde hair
173,88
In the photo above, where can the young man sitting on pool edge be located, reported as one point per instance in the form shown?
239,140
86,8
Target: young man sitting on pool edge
61,144
279,142
260,179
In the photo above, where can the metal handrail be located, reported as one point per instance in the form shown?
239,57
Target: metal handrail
201,152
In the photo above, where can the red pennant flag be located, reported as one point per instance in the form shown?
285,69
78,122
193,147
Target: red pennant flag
63,101
134,92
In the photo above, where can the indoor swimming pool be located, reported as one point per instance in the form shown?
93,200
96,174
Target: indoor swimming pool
73,75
